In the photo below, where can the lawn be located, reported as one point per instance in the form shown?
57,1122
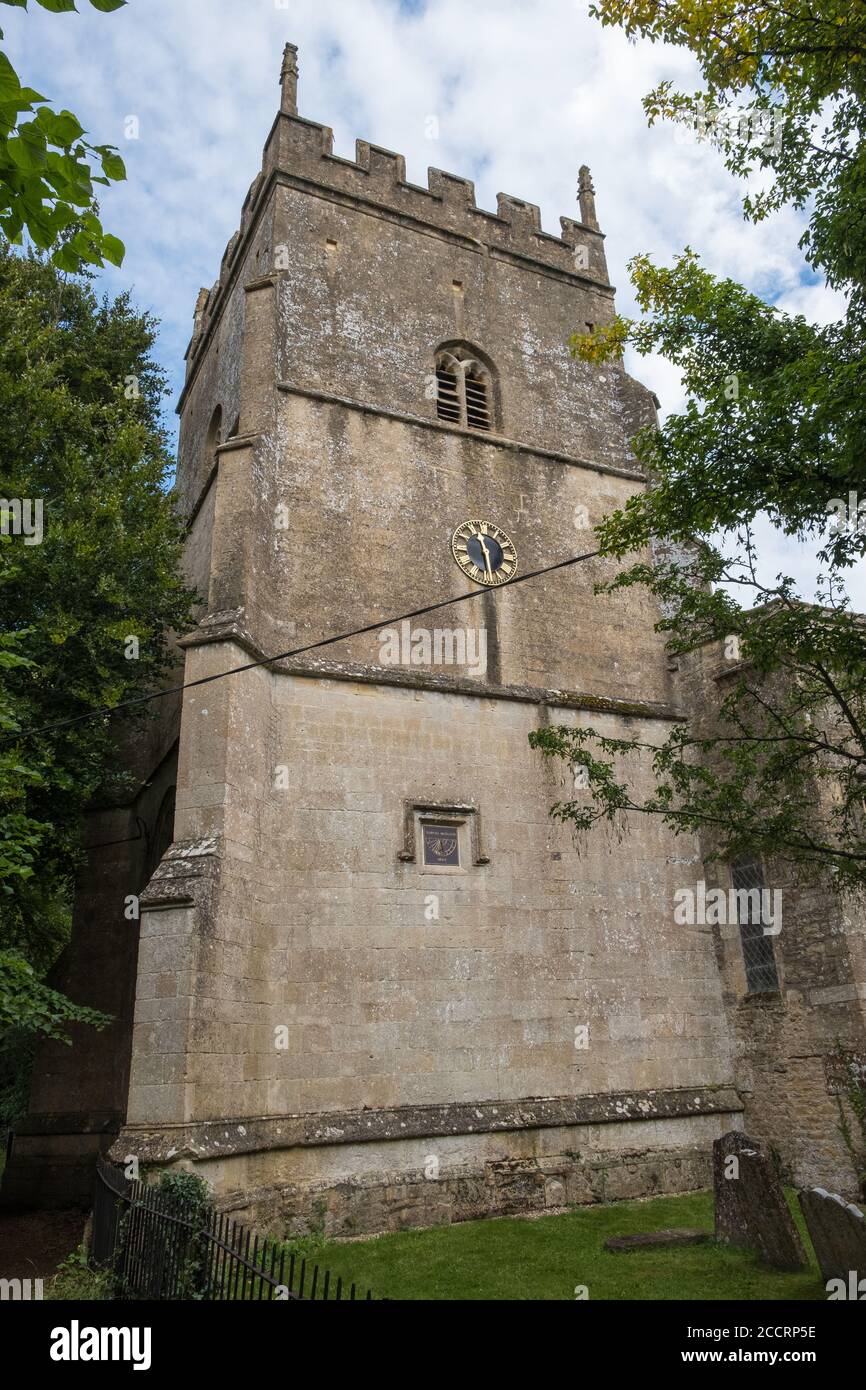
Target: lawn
548,1257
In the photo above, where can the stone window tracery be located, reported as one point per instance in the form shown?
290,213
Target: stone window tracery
464,390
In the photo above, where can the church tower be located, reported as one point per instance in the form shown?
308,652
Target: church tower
373,973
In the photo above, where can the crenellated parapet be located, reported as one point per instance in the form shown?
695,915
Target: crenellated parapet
300,153
303,151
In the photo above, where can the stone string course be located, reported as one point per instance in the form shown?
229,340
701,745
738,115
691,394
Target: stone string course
215,1138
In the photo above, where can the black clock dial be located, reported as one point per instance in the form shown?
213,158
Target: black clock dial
480,551
484,553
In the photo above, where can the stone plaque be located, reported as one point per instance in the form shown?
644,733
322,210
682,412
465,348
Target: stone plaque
441,846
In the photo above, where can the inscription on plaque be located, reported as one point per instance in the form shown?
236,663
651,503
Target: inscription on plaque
441,846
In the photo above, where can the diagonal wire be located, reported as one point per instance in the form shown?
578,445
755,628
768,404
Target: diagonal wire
296,651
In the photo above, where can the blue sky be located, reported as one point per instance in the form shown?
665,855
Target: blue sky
524,92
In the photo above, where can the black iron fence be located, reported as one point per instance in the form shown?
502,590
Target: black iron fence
160,1245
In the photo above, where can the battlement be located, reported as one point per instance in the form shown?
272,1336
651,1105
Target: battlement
304,150
300,153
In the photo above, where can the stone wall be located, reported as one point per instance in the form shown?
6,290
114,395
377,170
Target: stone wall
460,1162
785,1040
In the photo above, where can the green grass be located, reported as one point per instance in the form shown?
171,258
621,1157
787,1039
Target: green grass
548,1257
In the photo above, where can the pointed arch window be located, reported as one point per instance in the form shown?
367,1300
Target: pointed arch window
464,390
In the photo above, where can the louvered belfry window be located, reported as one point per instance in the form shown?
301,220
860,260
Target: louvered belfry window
464,391
477,403
448,399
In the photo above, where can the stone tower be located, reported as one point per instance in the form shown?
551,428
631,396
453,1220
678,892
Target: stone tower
372,972
325,1009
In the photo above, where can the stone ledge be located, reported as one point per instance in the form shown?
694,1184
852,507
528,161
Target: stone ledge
230,628
185,875
221,1138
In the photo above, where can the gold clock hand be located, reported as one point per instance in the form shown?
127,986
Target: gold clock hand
488,566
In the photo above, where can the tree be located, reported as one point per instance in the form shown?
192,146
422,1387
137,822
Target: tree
47,184
87,593
773,427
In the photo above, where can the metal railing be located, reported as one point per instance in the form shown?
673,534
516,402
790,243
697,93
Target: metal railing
160,1245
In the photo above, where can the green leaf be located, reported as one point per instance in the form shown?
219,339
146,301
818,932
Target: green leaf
13,225
57,6
27,149
65,259
113,167
9,83
106,6
113,250
41,231
61,128
82,245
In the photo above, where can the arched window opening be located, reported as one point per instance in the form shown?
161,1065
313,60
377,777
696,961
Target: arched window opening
464,390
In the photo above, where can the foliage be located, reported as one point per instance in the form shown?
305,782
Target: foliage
86,612
772,430
47,181
75,1280
16,1064
195,1203
28,1004
188,1189
798,69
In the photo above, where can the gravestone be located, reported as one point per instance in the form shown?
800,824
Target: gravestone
838,1233
751,1209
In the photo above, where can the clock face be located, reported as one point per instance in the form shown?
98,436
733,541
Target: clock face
484,552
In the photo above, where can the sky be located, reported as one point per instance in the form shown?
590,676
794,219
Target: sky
523,93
